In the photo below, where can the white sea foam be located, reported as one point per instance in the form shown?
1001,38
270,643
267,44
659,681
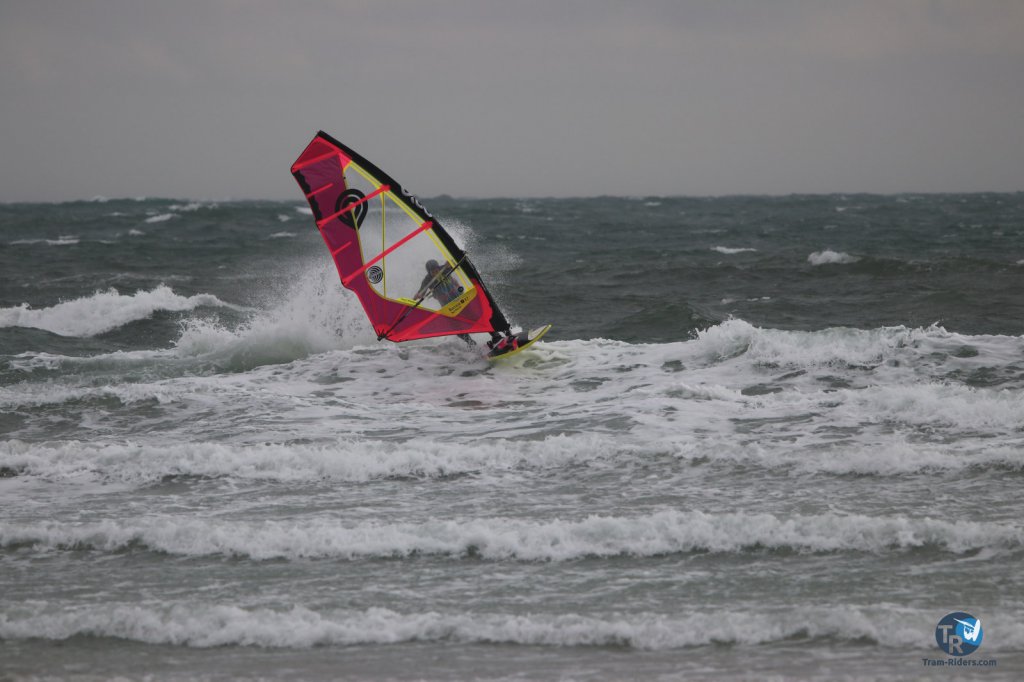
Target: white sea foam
835,346
163,217
312,316
892,455
353,459
829,257
843,347
657,534
840,400
64,240
56,394
304,210
707,392
729,251
103,311
757,299
190,207
962,407
281,235
202,624
863,382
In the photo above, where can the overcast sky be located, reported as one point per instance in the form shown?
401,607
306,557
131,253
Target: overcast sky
214,99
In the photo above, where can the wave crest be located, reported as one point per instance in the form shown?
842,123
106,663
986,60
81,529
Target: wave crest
103,311
658,534
202,625
830,257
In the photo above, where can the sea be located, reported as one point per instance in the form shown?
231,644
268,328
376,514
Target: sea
766,438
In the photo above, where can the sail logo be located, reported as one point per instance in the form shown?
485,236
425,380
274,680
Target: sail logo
351,207
415,202
959,633
455,307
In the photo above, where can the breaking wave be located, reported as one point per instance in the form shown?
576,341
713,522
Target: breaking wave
354,460
104,311
829,257
202,625
658,534
729,251
311,317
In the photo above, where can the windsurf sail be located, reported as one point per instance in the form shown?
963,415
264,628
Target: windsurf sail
411,277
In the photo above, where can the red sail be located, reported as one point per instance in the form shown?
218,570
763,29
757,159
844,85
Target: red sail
411,277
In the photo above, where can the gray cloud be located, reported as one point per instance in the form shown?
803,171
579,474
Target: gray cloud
215,99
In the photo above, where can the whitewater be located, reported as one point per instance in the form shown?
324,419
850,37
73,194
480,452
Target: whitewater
765,438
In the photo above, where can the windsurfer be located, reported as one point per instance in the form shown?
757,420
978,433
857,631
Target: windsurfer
439,283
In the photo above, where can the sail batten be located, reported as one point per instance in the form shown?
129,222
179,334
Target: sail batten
324,188
380,256
397,257
351,207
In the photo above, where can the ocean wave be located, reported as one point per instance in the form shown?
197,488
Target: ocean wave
850,348
961,407
360,459
203,625
891,455
310,317
64,240
191,207
843,346
829,257
103,311
658,534
852,401
27,395
353,460
730,251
